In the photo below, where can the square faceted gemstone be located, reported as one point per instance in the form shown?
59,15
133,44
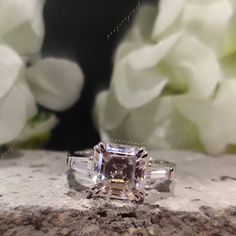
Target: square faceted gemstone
119,171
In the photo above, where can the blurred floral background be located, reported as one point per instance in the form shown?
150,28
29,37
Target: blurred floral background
160,73
30,84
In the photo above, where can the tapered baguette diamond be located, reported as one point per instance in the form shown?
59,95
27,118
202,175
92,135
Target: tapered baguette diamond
119,171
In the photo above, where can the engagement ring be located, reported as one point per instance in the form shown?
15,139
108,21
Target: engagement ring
122,171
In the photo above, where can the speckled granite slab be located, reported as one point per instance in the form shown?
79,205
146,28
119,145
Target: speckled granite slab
39,196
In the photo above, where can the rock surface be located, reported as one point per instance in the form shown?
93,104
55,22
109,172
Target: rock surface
39,196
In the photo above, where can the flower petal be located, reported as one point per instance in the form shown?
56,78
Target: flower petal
230,37
10,67
13,115
99,107
159,125
22,25
107,111
142,121
136,79
226,92
169,11
228,65
141,28
150,55
215,119
40,128
138,33
56,83
202,19
197,65
29,98
208,120
135,88
225,101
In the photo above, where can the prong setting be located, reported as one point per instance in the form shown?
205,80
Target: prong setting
144,154
102,147
96,149
140,151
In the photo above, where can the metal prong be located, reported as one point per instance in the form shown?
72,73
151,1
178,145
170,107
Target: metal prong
96,148
68,161
144,154
140,151
101,146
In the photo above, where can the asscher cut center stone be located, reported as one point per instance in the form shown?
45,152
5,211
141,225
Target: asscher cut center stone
119,171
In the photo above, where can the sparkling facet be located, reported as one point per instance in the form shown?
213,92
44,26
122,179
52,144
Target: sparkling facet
119,172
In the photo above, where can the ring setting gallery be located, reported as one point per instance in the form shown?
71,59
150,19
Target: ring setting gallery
122,171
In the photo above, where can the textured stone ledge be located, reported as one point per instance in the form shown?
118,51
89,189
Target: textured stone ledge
38,196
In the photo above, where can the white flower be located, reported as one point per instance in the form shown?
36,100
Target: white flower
21,25
216,119
53,83
207,20
14,96
174,79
